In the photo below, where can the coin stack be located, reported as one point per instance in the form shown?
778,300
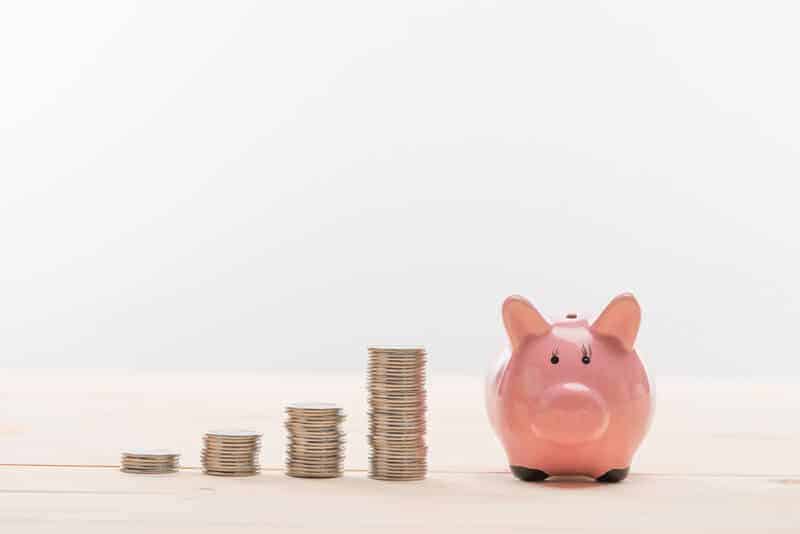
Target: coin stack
149,461
316,442
231,453
396,386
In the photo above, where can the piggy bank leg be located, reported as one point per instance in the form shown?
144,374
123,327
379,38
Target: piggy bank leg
527,474
614,475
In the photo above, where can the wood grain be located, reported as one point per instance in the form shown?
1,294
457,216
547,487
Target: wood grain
104,500
720,455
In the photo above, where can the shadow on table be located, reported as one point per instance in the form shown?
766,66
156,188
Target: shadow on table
571,482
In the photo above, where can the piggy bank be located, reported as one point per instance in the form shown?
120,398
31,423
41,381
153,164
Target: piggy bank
569,397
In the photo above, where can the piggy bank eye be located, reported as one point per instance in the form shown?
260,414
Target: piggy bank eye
586,360
554,358
587,353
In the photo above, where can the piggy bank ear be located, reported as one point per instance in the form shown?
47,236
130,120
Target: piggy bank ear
521,320
620,320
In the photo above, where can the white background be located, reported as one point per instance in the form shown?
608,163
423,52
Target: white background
276,185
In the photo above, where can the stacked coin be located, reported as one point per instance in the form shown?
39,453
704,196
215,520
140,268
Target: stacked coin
149,461
316,442
396,386
231,453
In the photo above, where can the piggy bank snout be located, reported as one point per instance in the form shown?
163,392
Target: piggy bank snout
569,413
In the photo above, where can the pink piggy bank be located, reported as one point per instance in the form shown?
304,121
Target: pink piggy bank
569,397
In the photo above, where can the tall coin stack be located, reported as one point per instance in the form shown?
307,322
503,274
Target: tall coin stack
231,453
316,442
149,462
396,386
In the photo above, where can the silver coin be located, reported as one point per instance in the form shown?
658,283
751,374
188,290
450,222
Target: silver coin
150,452
313,406
234,433
232,475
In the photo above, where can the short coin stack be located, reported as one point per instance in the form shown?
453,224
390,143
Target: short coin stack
316,442
149,461
231,453
396,386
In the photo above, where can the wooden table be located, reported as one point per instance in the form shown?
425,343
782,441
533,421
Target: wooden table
720,455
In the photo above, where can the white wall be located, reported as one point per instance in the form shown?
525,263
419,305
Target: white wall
276,185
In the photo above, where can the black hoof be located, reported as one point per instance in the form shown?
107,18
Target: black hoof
528,475
615,475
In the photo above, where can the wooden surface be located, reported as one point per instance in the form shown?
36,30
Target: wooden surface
720,455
